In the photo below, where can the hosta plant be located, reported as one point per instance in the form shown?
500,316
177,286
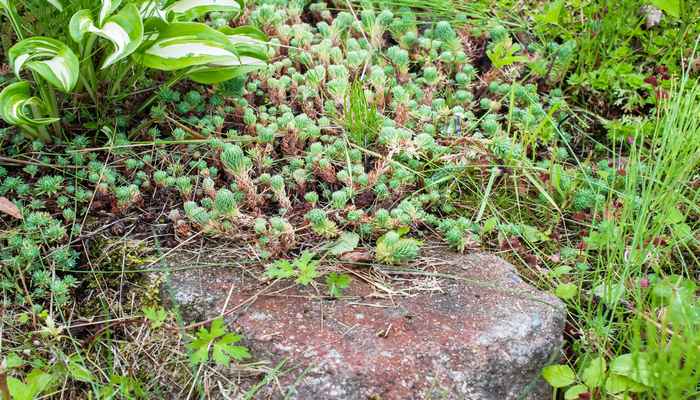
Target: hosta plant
103,47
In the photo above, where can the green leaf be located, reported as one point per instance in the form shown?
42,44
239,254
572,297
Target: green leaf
80,24
566,291
618,384
50,58
306,268
191,9
78,371
223,350
594,375
670,7
503,54
552,13
36,382
16,102
124,30
57,4
574,392
336,283
221,342
13,361
347,242
280,269
489,225
108,8
156,316
213,56
610,293
559,376
187,44
248,45
633,366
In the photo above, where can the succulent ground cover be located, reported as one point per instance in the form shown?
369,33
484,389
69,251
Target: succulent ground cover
564,136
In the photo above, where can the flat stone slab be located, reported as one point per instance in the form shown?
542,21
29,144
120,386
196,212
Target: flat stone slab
462,327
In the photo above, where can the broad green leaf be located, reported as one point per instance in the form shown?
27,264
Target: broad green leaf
18,390
191,9
48,57
13,361
124,30
34,384
670,7
552,13
559,376
4,4
618,383
594,375
574,392
57,4
16,104
78,371
633,366
346,242
610,293
566,290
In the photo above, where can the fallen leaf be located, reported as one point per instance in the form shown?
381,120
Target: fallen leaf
356,256
9,208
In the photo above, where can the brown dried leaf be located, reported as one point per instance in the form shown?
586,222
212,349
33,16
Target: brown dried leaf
9,208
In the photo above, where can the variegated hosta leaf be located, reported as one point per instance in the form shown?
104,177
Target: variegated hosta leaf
48,57
190,9
57,4
16,104
187,44
249,46
4,4
108,8
79,25
124,30
151,9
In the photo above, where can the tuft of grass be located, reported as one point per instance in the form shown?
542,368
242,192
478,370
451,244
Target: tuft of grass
361,120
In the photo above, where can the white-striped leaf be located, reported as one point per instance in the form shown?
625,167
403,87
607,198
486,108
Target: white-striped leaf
80,24
190,9
108,8
187,44
151,9
251,51
124,30
4,4
56,4
48,57
17,105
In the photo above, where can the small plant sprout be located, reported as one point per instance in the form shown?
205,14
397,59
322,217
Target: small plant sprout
393,249
337,283
216,344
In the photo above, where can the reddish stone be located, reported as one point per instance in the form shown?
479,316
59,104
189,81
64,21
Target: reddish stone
463,327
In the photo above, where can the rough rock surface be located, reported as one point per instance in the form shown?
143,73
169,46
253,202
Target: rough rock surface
463,327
